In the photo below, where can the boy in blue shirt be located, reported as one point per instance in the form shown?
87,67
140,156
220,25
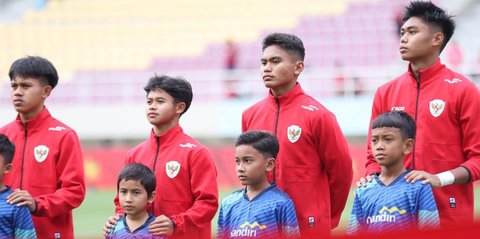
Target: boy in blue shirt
15,222
260,209
136,184
389,202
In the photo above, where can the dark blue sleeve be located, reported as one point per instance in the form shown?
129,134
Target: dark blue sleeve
23,224
288,220
428,217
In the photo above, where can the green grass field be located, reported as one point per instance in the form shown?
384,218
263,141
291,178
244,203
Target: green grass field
98,206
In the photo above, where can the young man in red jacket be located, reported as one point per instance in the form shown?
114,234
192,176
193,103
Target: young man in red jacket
313,166
186,197
445,106
47,169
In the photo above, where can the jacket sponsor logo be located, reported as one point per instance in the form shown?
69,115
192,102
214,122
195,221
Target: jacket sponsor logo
187,145
398,108
58,128
294,132
453,81
383,216
309,107
173,167
41,153
436,107
247,230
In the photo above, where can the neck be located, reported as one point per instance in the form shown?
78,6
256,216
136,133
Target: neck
161,129
24,117
2,187
137,220
254,189
391,172
419,65
276,92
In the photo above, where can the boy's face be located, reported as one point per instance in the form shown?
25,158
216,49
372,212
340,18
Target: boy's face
28,94
4,169
388,146
251,165
279,69
418,40
161,109
133,197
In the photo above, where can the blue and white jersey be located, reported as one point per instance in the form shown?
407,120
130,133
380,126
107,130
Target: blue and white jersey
270,214
15,222
400,205
122,231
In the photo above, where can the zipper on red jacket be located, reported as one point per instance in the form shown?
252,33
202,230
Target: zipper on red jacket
155,165
416,114
275,132
23,153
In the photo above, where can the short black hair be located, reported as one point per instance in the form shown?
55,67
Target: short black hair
288,42
264,142
141,173
432,15
177,87
34,67
397,119
7,149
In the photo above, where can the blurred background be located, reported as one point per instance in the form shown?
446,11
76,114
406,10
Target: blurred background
106,50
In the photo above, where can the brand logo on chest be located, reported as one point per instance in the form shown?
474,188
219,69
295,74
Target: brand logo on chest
172,167
41,153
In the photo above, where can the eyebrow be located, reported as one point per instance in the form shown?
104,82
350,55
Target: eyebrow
410,28
271,58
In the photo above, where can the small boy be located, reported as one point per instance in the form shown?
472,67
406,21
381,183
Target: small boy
15,222
136,189
187,191
260,209
389,202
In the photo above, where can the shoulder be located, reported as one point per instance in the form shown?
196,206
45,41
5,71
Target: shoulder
279,194
394,82
232,198
255,107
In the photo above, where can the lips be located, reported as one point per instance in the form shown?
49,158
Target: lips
380,156
17,102
267,77
242,177
403,49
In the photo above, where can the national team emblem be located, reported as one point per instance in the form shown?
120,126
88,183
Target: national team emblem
294,133
436,107
173,167
41,153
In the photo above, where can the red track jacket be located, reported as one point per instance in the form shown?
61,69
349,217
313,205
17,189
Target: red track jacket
48,163
314,165
186,189
446,108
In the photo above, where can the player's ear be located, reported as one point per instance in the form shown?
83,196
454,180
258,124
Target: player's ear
151,198
299,65
47,90
8,168
180,108
408,146
438,39
269,164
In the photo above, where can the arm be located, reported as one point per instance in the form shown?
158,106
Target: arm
221,225
470,127
23,224
354,223
428,217
204,188
288,220
333,150
71,181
